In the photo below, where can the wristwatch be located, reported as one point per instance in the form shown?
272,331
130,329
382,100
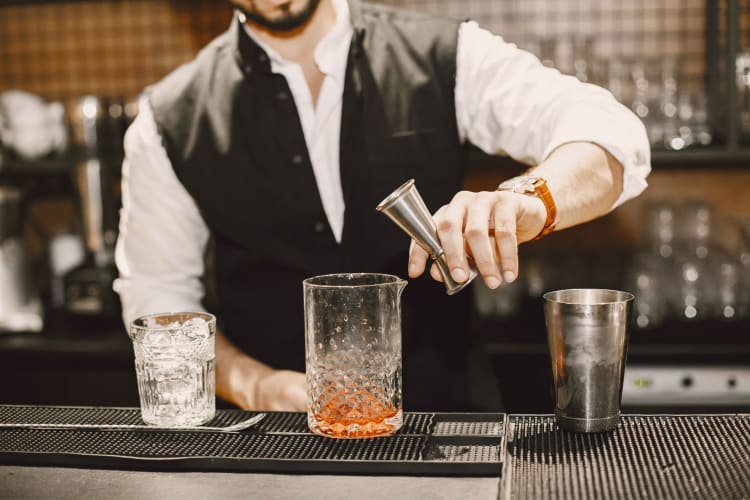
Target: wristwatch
534,186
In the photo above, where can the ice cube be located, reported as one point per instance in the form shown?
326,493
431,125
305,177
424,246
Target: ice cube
175,331
195,329
157,337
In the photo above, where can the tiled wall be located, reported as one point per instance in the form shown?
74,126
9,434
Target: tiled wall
114,48
61,50
628,31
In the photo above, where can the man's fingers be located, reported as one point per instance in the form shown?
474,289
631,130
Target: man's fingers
476,232
464,227
450,224
505,239
417,260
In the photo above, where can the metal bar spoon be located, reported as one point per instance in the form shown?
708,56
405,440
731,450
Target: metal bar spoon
239,426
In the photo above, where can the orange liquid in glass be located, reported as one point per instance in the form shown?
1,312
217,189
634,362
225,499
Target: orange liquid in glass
354,414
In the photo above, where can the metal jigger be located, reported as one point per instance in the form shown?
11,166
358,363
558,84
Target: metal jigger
406,208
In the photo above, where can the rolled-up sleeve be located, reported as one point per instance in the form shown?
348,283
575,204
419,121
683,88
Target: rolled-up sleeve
162,235
508,103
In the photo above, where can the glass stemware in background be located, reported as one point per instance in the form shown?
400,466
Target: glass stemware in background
660,228
564,55
572,55
730,285
649,274
674,117
690,126
701,131
548,51
674,112
681,269
616,79
695,228
668,106
647,279
695,296
696,289
583,57
641,83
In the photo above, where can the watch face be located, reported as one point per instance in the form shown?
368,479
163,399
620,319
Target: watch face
520,184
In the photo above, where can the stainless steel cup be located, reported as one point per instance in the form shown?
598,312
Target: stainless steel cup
588,338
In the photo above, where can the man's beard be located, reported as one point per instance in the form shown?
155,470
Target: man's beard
288,22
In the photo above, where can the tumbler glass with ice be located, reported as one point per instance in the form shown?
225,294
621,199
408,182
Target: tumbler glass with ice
174,365
353,354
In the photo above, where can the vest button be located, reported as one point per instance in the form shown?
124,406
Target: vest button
248,69
282,96
319,226
262,57
297,159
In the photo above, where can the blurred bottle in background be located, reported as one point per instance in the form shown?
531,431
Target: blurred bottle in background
742,69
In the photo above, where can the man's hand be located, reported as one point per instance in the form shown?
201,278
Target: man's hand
585,181
252,385
486,226
281,390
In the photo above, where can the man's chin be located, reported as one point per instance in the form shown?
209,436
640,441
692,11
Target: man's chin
286,22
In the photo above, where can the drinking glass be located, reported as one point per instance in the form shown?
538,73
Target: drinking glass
174,366
353,354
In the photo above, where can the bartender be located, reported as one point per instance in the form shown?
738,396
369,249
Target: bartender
278,140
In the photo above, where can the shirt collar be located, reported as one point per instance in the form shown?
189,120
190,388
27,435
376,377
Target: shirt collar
330,54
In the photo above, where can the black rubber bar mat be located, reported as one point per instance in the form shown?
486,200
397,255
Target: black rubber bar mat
446,444
669,456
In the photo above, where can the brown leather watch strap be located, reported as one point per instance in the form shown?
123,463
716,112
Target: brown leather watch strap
531,185
542,192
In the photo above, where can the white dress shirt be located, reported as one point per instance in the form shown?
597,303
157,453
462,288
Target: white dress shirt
507,103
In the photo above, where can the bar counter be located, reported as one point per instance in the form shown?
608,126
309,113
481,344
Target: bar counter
66,483
647,456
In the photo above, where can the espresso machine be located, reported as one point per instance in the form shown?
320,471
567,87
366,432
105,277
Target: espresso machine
88,294
20,304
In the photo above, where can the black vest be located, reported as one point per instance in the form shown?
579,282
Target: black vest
232,133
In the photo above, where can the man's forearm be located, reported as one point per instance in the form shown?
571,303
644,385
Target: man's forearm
235,371
252,385
584,179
